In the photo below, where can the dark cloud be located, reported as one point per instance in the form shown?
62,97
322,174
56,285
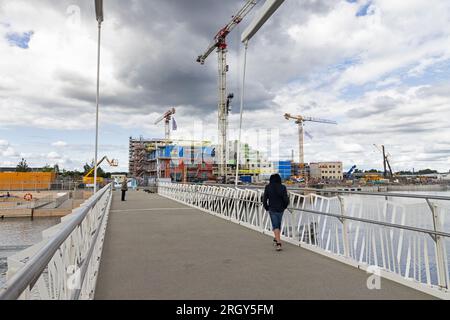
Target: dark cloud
168,37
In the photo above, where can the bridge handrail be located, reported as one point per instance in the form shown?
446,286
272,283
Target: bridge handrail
28,275
430,232
361,193
398,245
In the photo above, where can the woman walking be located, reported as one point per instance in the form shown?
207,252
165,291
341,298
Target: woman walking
276,200
124,188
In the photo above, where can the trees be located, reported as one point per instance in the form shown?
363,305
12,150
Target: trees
427,171
47,168
100,173
22,166
74,175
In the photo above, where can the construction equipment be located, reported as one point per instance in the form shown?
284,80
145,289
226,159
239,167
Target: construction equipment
167,117
87,179
386,163
349,173
220,44
300,120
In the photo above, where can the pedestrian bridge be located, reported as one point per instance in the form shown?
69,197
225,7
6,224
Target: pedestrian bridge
191,242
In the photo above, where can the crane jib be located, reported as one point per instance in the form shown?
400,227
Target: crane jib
223,33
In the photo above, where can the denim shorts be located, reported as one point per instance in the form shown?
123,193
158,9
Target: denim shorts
276,218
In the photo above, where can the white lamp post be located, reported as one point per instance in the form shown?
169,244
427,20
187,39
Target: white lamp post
99,16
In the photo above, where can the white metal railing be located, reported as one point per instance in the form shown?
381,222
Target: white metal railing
65,264
405,237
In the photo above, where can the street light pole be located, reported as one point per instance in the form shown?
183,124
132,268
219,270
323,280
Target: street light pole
99,16
236,181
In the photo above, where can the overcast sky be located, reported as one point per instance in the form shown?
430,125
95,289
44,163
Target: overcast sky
380,68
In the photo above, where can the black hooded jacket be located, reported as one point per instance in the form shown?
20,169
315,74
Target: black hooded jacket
275,197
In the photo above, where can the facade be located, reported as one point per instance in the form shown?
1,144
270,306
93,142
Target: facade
26,180
138,164
326,171
181,161
284,169
253,163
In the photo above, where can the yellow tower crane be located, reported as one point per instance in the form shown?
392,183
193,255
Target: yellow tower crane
300,121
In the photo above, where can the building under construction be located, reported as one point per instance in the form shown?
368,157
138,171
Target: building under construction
178,160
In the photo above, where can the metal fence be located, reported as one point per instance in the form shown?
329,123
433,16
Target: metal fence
406,236
65,264
38,186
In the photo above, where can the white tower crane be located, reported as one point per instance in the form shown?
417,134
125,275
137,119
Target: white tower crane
300,120
167,117
220,44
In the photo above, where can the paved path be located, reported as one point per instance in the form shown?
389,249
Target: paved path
159,249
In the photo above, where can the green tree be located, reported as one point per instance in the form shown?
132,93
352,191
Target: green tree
23,166
427,171
47,168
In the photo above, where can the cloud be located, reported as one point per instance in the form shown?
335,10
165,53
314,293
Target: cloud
6,150
60,144
53,155
379,68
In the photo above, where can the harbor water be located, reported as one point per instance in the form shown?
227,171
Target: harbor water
18,234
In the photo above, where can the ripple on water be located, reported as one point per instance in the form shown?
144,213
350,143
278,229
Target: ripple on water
17,234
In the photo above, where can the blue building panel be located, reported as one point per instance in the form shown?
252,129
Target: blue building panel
284,169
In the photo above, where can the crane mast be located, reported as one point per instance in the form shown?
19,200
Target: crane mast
220,45
300,121
386,163
166,117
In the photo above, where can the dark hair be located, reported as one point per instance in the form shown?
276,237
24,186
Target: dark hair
275,178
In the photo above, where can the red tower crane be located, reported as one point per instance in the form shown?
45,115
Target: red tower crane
220,44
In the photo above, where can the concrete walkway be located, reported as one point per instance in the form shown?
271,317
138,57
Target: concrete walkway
159,249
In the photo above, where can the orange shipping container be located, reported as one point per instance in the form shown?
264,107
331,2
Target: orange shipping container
26,180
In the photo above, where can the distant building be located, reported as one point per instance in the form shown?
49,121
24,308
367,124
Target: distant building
26,180
326,170
253,163
180,161
284,169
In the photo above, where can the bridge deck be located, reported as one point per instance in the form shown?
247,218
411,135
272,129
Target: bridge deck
159,249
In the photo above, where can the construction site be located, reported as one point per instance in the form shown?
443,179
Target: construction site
225,160
235,162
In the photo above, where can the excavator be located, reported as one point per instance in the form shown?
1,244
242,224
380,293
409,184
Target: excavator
88,179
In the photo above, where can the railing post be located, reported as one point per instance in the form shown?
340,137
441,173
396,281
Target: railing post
344,227
441,267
